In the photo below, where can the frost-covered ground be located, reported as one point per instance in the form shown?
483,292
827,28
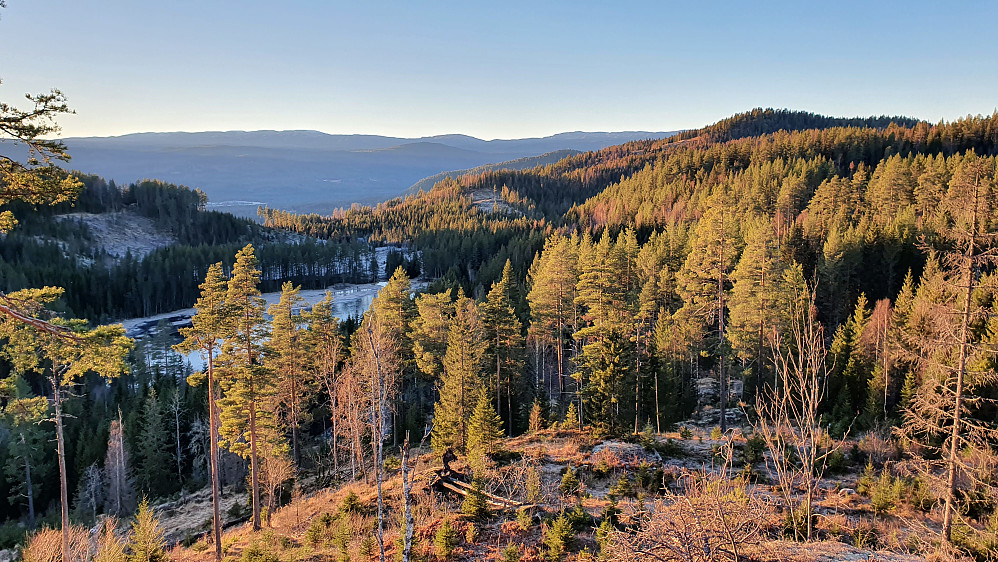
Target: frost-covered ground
121,232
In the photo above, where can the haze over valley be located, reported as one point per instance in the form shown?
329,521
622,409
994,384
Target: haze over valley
310,171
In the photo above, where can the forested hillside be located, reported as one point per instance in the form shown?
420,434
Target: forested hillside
54,246
810,298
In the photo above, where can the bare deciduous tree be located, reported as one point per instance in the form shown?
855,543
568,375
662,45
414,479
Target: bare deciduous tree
789,417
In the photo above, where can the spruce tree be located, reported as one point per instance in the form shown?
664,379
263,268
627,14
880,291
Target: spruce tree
153,452
462,377
484,431
26,466
504,335
949,414
148,542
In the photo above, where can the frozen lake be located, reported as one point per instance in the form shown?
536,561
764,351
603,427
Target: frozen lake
348,300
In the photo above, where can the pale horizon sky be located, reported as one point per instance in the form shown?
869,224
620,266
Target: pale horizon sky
501,70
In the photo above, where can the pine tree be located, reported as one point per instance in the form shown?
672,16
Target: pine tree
504,334
287,358
325,342
462,377
205,335
552,304
536,421
429,332
64,350
703,278
754,306
395,311
248,404
484,432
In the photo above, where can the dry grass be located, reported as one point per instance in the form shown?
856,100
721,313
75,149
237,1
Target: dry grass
46,545
846,522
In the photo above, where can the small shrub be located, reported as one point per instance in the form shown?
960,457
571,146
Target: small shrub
110,547
471,533
533,485
524,519
867,481
754,450
886,493
511,553
474,504
536,420
558,538
669,448
148,541
317,532
237,511
367,547
611,513
342,533
571,417
392,463
11,534
351,504
865,536
570,483
836,462
685,433
256,553
622,488
603,533
716,434
919,496
445,540
643,477
647,437
579,518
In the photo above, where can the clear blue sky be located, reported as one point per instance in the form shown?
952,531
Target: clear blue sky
502,70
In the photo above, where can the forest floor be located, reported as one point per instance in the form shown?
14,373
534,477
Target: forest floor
323,524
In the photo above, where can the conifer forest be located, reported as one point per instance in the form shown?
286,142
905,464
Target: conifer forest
771,338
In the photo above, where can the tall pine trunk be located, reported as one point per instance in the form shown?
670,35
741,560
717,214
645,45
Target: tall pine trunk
216,488
61,452
254,467
30,489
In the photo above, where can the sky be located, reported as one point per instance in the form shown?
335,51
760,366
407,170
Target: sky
505,69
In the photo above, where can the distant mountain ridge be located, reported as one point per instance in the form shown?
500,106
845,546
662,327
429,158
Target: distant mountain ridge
304,170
